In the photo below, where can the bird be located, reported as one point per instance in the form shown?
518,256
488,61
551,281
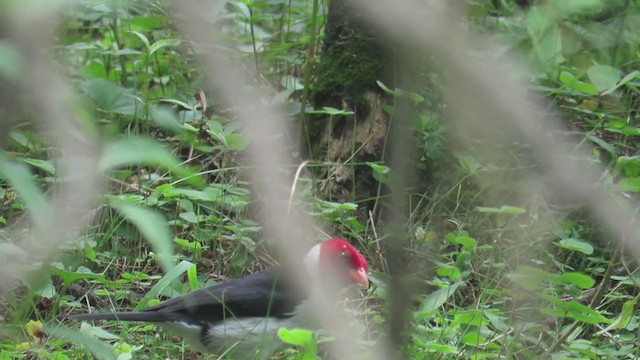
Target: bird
241,317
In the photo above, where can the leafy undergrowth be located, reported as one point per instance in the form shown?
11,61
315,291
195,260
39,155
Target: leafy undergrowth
499,270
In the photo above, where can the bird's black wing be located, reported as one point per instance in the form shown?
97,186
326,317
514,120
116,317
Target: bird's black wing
267,293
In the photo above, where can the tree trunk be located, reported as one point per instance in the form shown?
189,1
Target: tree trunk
352,61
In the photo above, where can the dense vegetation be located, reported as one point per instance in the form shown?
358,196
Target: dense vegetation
503,270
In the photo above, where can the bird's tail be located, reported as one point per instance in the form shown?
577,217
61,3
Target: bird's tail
146,316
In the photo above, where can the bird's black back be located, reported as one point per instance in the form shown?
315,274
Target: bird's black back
269,293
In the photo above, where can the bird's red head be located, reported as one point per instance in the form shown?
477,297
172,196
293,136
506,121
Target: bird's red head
342,256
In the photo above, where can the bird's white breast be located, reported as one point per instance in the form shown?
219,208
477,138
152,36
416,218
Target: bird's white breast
236,338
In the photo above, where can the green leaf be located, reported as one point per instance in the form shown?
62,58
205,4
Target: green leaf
472,338
68,277
379,172
545,35
236,142
97,332
21,179
468,243
300,337
628,165
165,119
575,310
192,276
100,350
623,319
631,76
162,44
385,88
112,98
153,227
570,81
41,164
580,280
133,151
436,299
469,163
576,245
603,77
141,37
47,290
628,184
448,271
166,280
512,210
148,22
138,150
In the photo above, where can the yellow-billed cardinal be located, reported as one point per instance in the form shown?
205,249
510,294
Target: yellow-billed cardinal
242,316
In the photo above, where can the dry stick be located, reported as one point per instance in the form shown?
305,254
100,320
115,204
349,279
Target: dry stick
295,182
597,297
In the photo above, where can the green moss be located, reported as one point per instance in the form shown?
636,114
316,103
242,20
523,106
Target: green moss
347,70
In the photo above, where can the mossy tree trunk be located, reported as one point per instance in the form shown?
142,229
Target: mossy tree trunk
351,62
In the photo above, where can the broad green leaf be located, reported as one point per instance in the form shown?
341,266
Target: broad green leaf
100,350
21,179
97,332
68,276
631,76
301,337
603,77
137,151
580,280
379,172
603,144
236,142
472,338
576,245
162,44
153,227
448,271
148,22
436,299
545,35
469,163
623,319
166,280
468,243
47,290
628,165
570,81
43,165
142,38
134,151
575,310
629,184
112,98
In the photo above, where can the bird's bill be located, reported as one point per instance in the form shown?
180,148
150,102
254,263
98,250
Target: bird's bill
359,276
